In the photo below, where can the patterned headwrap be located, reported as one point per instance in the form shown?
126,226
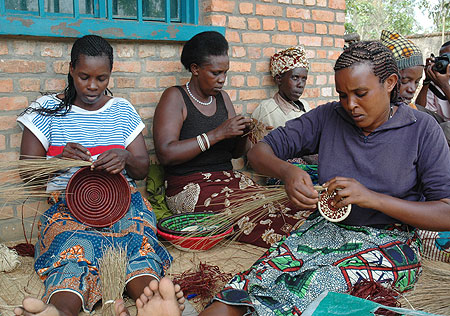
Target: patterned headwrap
288,59
405,52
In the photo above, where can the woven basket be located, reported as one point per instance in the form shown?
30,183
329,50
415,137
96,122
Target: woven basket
185,231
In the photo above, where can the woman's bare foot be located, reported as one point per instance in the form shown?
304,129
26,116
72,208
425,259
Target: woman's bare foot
34,306
120,309
160,299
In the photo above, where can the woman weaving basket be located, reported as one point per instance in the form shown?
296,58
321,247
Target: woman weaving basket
197,132
390,162
84,123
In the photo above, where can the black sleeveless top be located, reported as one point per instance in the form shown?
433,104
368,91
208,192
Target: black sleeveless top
218,157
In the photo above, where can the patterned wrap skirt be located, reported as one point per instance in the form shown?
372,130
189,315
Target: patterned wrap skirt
324,256
217,191
67,250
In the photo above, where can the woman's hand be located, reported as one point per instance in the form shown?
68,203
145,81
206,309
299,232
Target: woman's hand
76,151
299,188
349,191
112,161
232,127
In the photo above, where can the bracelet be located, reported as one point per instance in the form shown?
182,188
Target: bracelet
208,145
200,143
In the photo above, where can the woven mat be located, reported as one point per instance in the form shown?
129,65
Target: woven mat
230,257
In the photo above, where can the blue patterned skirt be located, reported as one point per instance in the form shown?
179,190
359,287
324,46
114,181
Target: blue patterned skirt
322,256
67,250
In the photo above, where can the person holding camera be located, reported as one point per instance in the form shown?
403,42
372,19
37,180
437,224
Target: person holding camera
435,93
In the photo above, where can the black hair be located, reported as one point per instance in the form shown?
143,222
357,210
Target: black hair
445,44
89,45
201,46
375,54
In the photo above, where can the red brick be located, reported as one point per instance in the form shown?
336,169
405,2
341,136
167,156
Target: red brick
321,29
253,81
255,38
240,66
215,20
323,15
245,8
322,54
283,25
283,1
3,48
167,81
13,103
328,41
262,66
163,66
124,50
124,82
268,10
336,4
303,14
339,42
61,67
308,27
238,51
144,97
311,93
238,108
321,79
251,106
22,66
340,17
252,94
24,47
51,50
299,2
6,85
15,140
310,2
232,94
268,24
147,112
254,24
232,36
254,52
55,85
333,55
337,30
296,26
321,3
236,22
268,81
321,67
2,142
268,51
310,40
285,39
147,82
9,156
220,6
7,122
111,83
237,81
127,66
146,51
326,92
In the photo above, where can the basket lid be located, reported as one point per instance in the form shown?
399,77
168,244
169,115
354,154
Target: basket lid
97,198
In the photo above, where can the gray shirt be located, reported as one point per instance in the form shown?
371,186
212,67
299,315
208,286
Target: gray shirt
406,157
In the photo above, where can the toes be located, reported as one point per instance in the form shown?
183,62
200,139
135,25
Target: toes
153,285
144,298
139,304
120,309
33,305
177,288
18,311
179,294
148,292
181,300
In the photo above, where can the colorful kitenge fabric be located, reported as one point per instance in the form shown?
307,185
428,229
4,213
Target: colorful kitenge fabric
435,245
323,256
405,52
219,190
67,250
288,59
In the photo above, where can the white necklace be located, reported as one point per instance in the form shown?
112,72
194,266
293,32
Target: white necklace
197,100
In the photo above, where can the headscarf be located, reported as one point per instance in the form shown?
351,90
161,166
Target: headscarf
288,59
405,52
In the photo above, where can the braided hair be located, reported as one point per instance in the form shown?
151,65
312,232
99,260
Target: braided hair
375,54
89,45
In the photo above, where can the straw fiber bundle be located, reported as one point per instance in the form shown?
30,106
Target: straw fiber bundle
112,272
432,292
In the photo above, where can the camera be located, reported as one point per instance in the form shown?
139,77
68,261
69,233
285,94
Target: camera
441,62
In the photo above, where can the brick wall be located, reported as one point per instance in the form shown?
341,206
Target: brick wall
255,30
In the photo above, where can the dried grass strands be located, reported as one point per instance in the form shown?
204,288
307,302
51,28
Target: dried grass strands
431,293
112,272
27,178
257,131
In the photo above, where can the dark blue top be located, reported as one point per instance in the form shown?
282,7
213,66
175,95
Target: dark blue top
406,157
